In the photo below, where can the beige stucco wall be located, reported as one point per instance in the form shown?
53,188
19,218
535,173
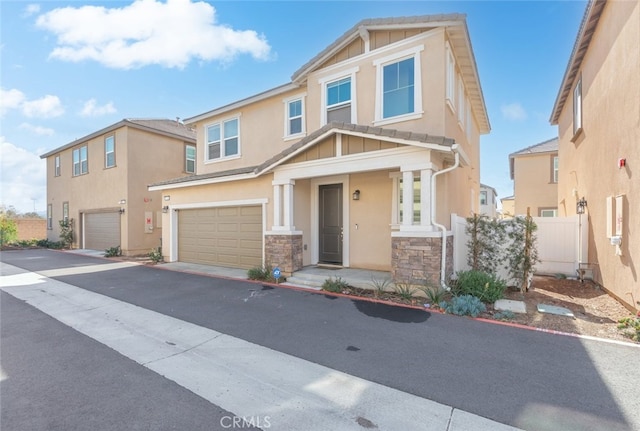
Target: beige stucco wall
611,130
533,183
508,208
141,158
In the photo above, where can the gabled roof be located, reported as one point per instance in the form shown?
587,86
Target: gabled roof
588,26
549,146
438,143
484,186
171,128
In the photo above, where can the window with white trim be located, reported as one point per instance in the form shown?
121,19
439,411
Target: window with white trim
577,107
461,100
451,77
65,211
469,119
548,212
554,167
80,163
223,139
56,164
190,159
416,199
483,197
50,216
109,151
339,100
295,117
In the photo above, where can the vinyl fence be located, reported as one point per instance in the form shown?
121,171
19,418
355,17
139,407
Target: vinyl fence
562,244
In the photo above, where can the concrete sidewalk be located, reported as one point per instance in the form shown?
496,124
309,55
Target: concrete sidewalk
254,382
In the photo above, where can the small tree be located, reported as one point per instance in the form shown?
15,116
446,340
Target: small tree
486,236
66,232
8,230
522,252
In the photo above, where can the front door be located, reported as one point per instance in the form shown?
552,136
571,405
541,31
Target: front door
330,223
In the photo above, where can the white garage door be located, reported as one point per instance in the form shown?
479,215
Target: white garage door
101,230
225,236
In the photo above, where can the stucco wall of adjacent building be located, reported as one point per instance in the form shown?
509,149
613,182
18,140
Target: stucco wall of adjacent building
533,183
611,130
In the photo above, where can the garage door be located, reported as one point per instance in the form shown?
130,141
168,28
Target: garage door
225,236
101,230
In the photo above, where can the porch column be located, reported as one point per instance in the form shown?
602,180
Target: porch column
277,205
288,205
425,197
407,198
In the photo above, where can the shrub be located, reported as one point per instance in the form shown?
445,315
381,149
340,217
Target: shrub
49,244
262,273
405,290
8,230
435,295
337,285
486,236
155,255
504,315
66,232
522,252
484,286
113,252
465,305
630,327
380,286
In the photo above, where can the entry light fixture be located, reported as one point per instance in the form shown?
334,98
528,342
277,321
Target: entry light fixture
121,210
167,197
356,195
581,205
165,209
123,201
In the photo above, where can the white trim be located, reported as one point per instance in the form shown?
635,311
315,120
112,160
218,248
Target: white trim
283,232
324,81
418,233
450,76
202,182
379,64
338,144
315,222
236,203
303,131
220,122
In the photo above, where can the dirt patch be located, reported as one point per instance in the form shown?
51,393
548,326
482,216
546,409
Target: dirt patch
596,312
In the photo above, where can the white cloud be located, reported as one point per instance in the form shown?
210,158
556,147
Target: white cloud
46,107
31,9
37,130
147,32
513,112
91,110
10,99
23,178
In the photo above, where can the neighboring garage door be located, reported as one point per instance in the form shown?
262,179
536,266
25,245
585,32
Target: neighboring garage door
224,236
101,230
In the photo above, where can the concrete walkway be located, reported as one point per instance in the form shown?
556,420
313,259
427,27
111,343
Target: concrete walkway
251,381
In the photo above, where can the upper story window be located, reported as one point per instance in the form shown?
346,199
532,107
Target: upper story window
49,216
483,197
223,139
294,123
190,159
554,169
56,164
577,107
109,151
80,164
339,101
461,101
398,87
451,77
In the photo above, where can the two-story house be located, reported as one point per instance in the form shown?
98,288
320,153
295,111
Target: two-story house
597,112
534,171
100,181
488,201
358,162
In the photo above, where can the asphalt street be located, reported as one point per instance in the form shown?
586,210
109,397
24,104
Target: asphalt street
526,379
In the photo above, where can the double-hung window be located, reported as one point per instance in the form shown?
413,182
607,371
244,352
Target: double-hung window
461,101
80,164
398,88
451,77
223,139
294,116
190,159
65,211
554,169
483,198
577,107
49,216
109,151
56,162
339,100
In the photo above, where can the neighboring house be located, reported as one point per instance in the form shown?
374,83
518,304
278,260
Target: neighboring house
488,201
100,181
508,207
534,171
358,162
597,112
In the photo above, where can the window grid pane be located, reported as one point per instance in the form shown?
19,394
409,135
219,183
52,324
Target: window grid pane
339,92
398,88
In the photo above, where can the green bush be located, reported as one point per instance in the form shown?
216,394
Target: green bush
465,305
45,243
504,315
435,295
8,230
262,273
113,252
405,291
630,327
66,232
337,285
380,286
484,286
155,255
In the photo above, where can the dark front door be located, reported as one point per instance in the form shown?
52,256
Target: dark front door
331,223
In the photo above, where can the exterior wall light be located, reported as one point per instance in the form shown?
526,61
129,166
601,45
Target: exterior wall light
167,198
165,209
581,205
121,211
356,195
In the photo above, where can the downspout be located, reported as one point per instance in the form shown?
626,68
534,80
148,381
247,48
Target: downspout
443,260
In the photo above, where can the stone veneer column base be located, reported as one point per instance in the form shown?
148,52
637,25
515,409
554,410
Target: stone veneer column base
415,259
285,252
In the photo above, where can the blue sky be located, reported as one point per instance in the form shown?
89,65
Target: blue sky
71,68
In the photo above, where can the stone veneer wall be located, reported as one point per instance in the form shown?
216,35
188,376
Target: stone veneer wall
419,258
285,252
